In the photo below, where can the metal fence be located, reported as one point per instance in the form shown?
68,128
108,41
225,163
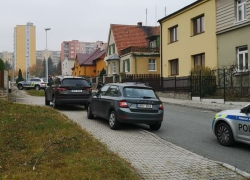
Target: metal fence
109,79
152,80
1,79
177,83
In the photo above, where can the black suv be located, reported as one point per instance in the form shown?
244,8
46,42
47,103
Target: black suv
68,90
127,103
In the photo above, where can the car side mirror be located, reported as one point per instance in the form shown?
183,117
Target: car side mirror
244,110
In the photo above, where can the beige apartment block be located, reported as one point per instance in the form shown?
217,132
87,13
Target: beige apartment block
24,47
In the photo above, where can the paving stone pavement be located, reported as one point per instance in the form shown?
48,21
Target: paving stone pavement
153,157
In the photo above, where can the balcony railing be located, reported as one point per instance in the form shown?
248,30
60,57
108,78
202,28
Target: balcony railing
139,49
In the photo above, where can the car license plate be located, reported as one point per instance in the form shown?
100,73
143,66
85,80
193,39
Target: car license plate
147,106
76,90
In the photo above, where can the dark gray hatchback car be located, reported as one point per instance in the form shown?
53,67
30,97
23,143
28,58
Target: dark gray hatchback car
127,103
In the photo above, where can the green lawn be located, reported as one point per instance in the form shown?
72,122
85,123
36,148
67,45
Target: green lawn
33,92
27,131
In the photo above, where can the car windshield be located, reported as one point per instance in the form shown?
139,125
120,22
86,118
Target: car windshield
75,82
135,92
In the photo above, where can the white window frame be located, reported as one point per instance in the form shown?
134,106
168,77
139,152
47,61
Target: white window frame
126,65
113,68
244,52
173,33
155,65
244,11
152,44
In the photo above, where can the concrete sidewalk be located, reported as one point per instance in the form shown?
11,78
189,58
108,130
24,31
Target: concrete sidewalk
205,105
152,157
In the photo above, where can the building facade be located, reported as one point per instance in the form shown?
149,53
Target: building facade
233,34
188,39
24,47
69,49
133,49
67,66
54,55
7,56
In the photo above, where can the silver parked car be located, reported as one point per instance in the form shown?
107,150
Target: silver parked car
33,83
232,125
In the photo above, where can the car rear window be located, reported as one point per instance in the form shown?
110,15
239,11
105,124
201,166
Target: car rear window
134,92
75,82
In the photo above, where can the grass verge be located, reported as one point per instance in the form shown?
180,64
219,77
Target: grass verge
33,92
40,143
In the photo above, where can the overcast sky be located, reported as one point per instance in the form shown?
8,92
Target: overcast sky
84,20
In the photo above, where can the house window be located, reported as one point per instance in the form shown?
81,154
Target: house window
127,65
199,25
242,56
199,60
241,10
174,64
173,34
152,44
152,64
114,67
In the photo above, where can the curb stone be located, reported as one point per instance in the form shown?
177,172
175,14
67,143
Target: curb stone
228,166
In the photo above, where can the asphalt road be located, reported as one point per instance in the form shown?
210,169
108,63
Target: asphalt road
191,129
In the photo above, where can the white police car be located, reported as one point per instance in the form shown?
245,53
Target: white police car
232,125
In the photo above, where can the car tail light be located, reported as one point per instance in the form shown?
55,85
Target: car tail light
61,89
161,107
123,104
89,89
43,83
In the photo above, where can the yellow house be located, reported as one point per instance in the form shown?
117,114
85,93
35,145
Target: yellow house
188,39
89,65
133,49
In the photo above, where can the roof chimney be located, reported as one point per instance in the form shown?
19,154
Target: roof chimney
139,24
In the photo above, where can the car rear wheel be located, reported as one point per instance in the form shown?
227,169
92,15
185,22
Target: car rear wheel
113,123
37,87
20,87
55,105
47,103
89,113
155,127
224,134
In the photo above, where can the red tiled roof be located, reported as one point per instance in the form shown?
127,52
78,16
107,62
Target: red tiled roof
132,35
94,56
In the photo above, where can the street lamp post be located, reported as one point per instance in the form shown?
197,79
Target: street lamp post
47,62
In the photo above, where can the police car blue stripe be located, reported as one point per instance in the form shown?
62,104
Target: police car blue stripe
238,118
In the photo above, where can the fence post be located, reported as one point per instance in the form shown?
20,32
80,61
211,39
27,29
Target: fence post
200,84
175,83
191,84
224,79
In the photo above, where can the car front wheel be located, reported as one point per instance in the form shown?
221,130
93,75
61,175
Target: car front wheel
113,123
224,134
37,87
155,127
20,87
89,113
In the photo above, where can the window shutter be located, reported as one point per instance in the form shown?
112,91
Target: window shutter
113,48
107,69
123,66
109,49
128,61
